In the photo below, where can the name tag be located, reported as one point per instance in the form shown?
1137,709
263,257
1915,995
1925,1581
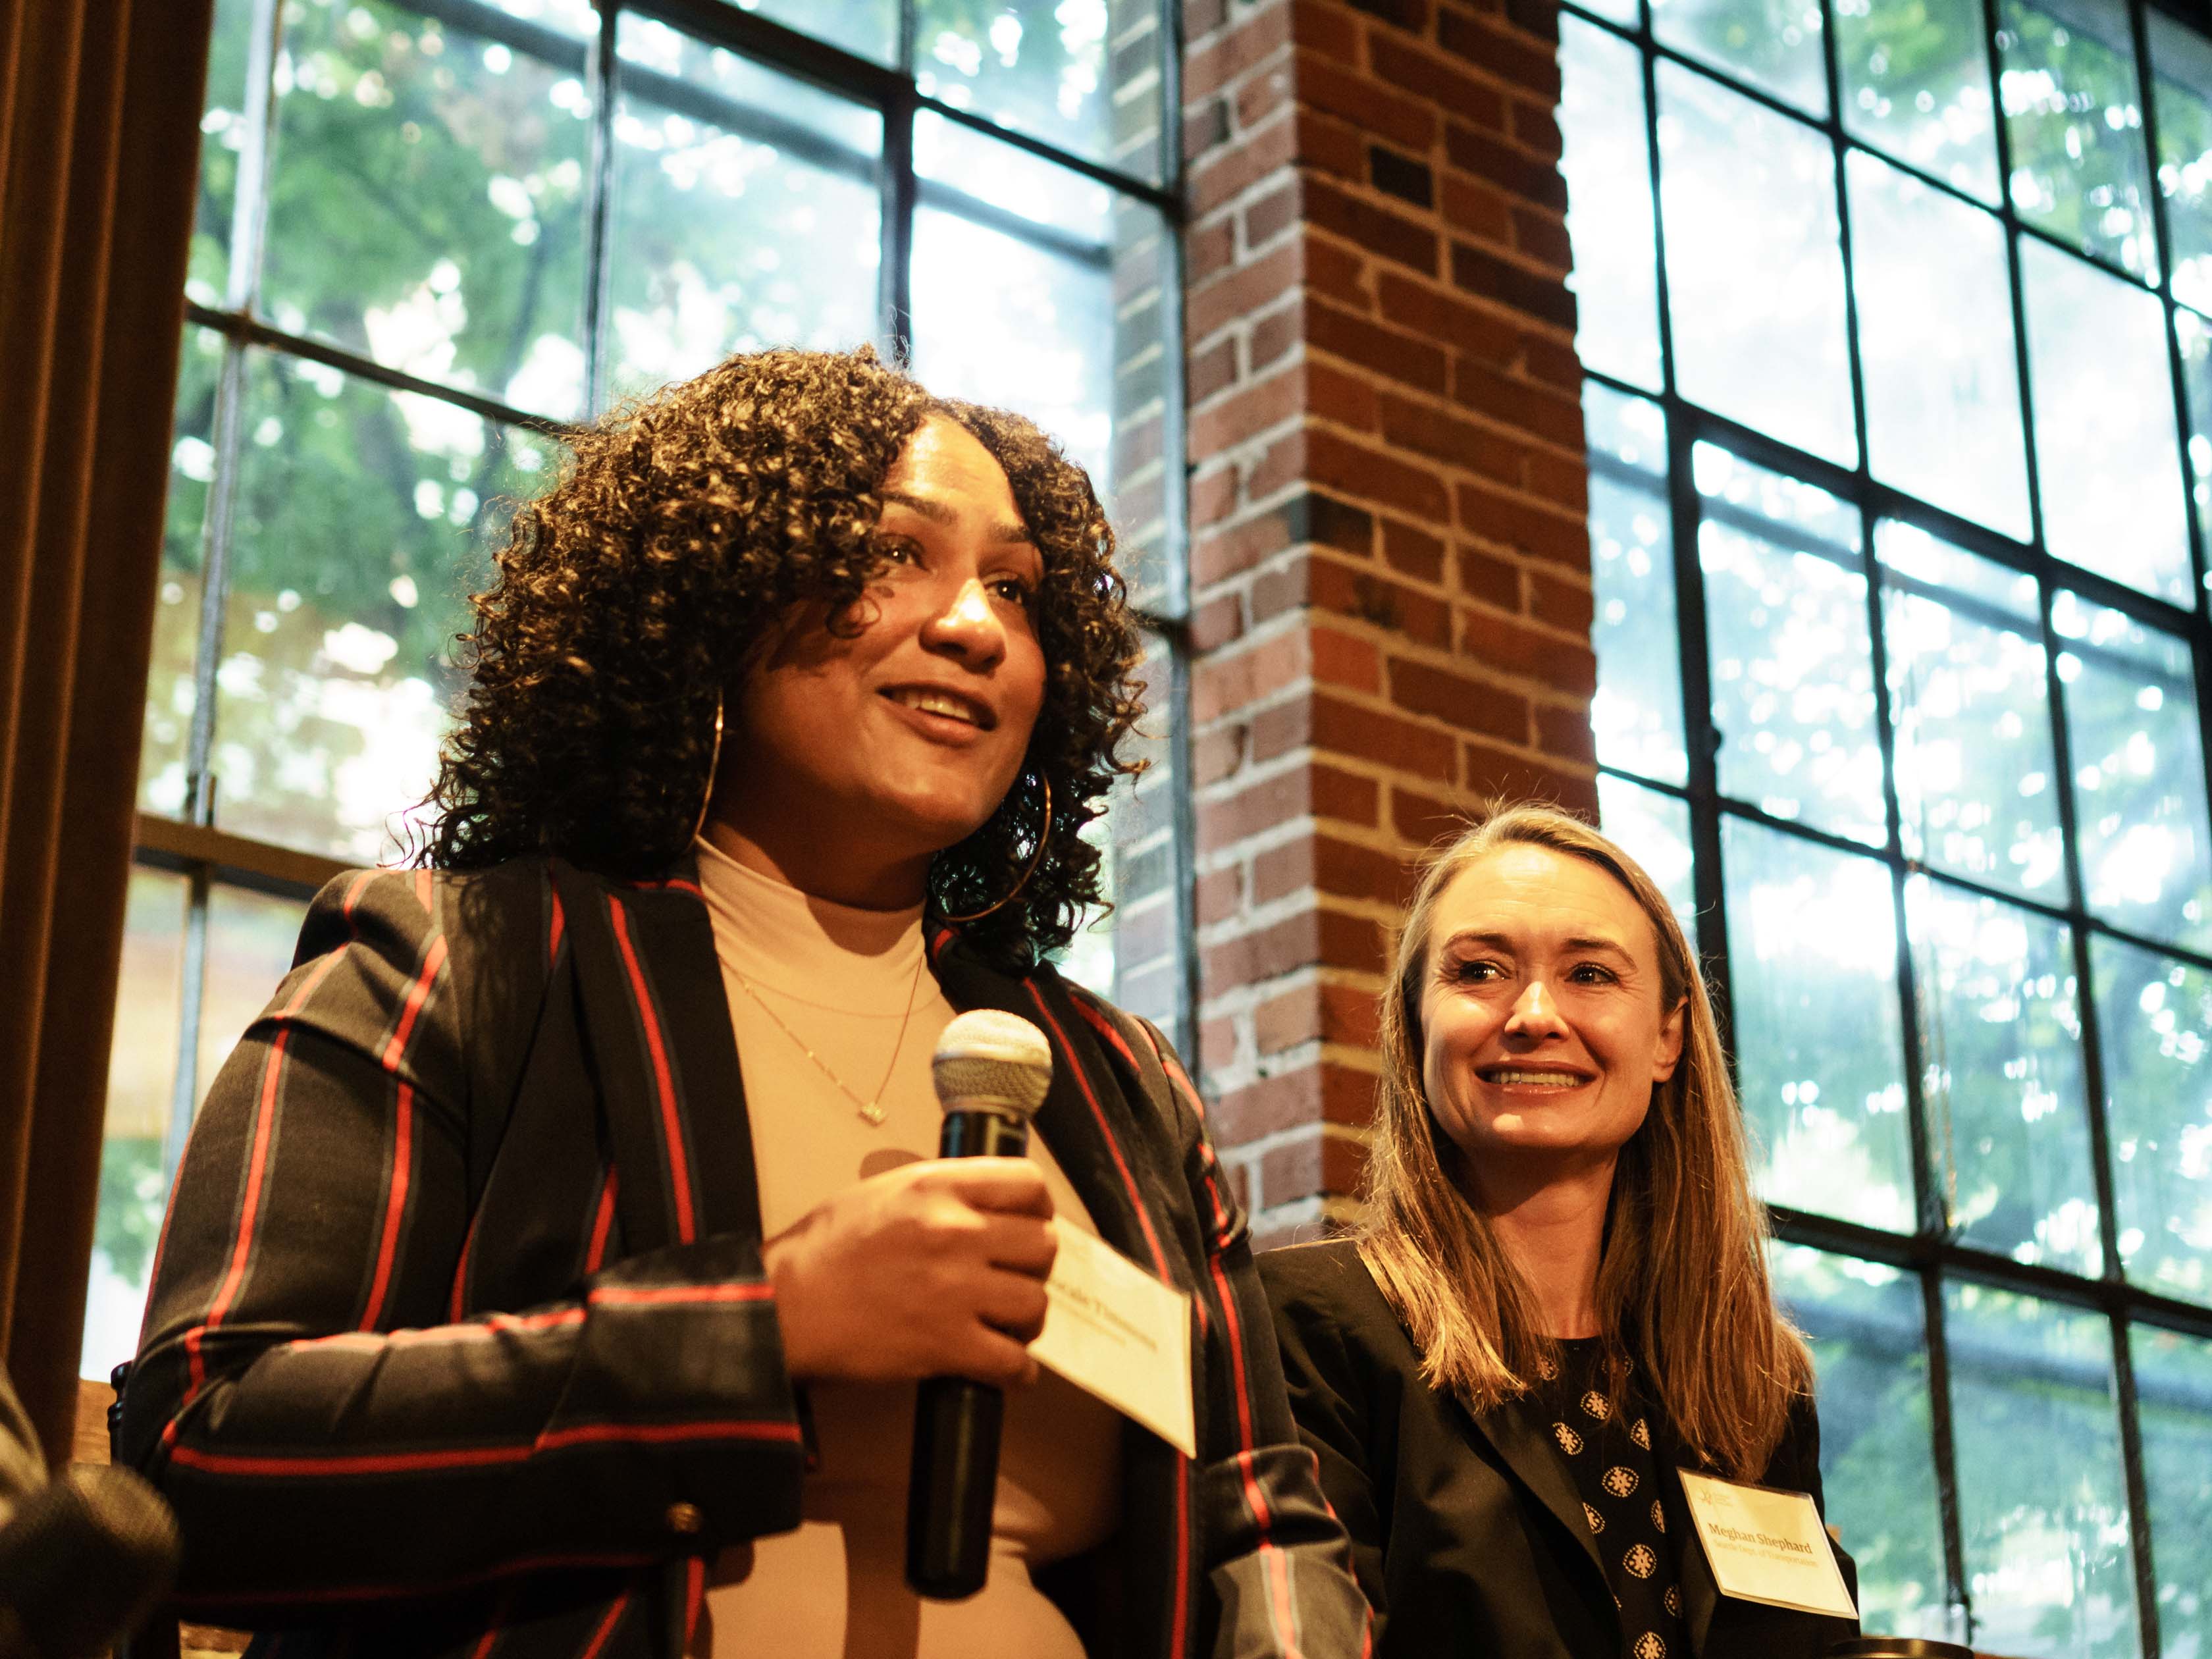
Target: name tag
1767,1546
1117,1332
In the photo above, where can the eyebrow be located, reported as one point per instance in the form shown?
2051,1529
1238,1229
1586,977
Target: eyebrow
1008,530
1499,942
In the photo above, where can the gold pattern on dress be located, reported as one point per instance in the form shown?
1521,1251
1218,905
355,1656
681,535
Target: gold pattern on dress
1658,1516
1619,1481
1642,1561
1597,1520
1649,1646
1673,1600
1569,1441
1641,1434
1547,1370
1596,1405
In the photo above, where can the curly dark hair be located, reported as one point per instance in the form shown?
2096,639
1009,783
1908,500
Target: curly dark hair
642,585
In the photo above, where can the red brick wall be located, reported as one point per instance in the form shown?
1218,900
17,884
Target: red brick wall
1390,571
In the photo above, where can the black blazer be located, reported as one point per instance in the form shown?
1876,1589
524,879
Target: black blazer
459,1337
1466,1531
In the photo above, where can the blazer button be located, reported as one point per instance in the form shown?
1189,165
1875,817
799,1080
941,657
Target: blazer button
685,1518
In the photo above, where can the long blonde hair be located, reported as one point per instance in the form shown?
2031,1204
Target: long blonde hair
1682,1286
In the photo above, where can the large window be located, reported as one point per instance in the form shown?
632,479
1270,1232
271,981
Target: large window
432,235
1898,316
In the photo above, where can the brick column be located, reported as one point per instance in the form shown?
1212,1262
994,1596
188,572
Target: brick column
1390,569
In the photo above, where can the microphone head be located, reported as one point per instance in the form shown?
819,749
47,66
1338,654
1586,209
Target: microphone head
85,1561
994,1061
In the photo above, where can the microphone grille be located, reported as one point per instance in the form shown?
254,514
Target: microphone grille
988,1057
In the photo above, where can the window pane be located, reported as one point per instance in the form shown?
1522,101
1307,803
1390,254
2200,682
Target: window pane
2075,116
2138,773
2106,454
141,1074
2173,1394
223,136
1607,167
1773,44
1812,964
869,27
1747,190
745,211
364,518
2042,1504
1786,627
164,755
1870,1357
1637,713
1916,83
2154,1019
426,194
1936,351
250,939
2181,71
2194,336
1046,67
1655,828
1969,702
1133,955
2001,1048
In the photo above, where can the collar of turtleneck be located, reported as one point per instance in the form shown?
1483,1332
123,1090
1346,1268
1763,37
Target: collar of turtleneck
808,949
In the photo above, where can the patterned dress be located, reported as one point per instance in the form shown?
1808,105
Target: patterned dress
1605,1441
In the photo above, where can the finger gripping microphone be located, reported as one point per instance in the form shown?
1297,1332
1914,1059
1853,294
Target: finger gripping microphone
991,1070
83,1563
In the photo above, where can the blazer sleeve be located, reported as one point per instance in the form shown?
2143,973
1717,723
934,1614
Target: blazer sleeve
1275,1553
1330,1387
329,1437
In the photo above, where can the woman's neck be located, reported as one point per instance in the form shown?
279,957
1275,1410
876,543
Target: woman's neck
824,866
1552,1231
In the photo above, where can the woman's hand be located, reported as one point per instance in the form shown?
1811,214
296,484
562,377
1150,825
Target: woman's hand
932,1269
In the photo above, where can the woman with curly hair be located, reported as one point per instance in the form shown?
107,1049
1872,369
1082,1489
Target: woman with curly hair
552,1264
1557,1300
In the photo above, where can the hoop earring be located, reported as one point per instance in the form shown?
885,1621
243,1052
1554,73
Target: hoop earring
714,766
1036,857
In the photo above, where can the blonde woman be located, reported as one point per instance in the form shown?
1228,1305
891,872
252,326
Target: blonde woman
1557,1297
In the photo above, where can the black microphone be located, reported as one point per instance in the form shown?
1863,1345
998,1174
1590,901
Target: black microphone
991,1070
83,1563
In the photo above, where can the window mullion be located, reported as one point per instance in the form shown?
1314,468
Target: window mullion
599,208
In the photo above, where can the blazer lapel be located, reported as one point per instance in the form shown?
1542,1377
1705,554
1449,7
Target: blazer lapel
1078,1120
1701,1592
658,1027
1523,1439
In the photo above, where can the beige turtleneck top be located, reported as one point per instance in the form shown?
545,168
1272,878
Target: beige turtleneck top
840,981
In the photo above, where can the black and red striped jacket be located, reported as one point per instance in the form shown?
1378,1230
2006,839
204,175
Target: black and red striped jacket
458,1340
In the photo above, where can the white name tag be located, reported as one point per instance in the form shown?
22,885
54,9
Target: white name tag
1767,1546
1114,1331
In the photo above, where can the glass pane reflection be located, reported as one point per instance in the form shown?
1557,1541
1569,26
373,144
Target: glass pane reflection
1081,74
1607,168
869,27
165,746
1916,83
457,255
2074,114
364,518
2173,1394
1813,961
2042,1504
1870,1357
1775,45
745,206
1786,627
2155,1017
2001,1043
2138,761
1637,712
142,1071
2107,457
1969,703
1746,190
2181,72
1655,828
1936,352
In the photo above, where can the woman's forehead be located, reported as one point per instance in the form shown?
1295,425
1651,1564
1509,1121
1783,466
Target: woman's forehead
1543,894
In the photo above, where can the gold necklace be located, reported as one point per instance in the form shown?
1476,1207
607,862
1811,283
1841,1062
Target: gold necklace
871,1110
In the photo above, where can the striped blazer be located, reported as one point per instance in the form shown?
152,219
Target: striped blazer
460,1342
